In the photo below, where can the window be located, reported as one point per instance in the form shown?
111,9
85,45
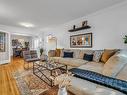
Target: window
2,42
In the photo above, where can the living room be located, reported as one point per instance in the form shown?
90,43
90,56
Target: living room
58,29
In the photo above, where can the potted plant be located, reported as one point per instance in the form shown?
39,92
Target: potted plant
41,51
27,45
125,39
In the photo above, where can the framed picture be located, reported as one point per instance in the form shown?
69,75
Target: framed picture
2,41
81,41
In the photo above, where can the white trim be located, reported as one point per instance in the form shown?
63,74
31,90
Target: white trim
9,45
4,62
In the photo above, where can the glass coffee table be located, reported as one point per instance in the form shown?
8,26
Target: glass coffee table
45,70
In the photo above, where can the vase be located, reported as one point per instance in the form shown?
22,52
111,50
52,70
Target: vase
62,91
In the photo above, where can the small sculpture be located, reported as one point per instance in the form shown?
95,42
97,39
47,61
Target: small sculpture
84,23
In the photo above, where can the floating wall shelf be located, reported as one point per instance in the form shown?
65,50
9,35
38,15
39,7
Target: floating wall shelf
79,28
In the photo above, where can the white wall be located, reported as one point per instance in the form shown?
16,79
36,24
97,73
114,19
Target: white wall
62,38
108,27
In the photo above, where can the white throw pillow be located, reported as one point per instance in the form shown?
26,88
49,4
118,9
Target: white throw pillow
97,55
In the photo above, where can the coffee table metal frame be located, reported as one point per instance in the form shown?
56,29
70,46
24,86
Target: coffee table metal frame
39,67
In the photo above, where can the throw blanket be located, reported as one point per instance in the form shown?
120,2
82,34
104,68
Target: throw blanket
116,84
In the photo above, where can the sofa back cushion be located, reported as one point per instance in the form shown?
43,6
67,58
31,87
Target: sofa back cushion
82,52
76,53
115,64
97,55
107,54
52,53
68,55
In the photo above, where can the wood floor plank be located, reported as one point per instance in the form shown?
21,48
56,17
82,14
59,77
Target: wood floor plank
7,82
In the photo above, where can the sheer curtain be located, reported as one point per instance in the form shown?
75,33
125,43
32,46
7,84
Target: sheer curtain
36,45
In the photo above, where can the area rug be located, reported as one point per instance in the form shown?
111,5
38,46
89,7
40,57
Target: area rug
29,84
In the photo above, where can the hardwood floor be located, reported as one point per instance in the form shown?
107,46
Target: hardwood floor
7,82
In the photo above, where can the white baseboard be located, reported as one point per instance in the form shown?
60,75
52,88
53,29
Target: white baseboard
4,62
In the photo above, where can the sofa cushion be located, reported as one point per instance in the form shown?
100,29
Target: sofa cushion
115,64
123,74
72,62
114,83
106,55
84,87
102,90
56,59
93,66
68,55
76,53
97,55
81,87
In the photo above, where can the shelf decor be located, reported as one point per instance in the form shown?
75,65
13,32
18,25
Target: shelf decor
2,41
84,26
81,41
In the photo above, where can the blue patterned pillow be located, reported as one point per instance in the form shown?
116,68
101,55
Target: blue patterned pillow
88,57
68,55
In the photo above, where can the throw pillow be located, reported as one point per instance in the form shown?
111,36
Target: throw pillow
82,52
58,51
88,57
68,55
64,50
97,55
106,55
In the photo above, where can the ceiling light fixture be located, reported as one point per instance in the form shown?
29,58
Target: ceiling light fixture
28,25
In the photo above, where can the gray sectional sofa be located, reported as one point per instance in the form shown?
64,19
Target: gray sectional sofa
115,67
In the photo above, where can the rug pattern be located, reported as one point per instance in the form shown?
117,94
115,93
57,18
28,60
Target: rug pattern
29,84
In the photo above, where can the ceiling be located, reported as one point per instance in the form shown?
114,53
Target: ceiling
46,13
